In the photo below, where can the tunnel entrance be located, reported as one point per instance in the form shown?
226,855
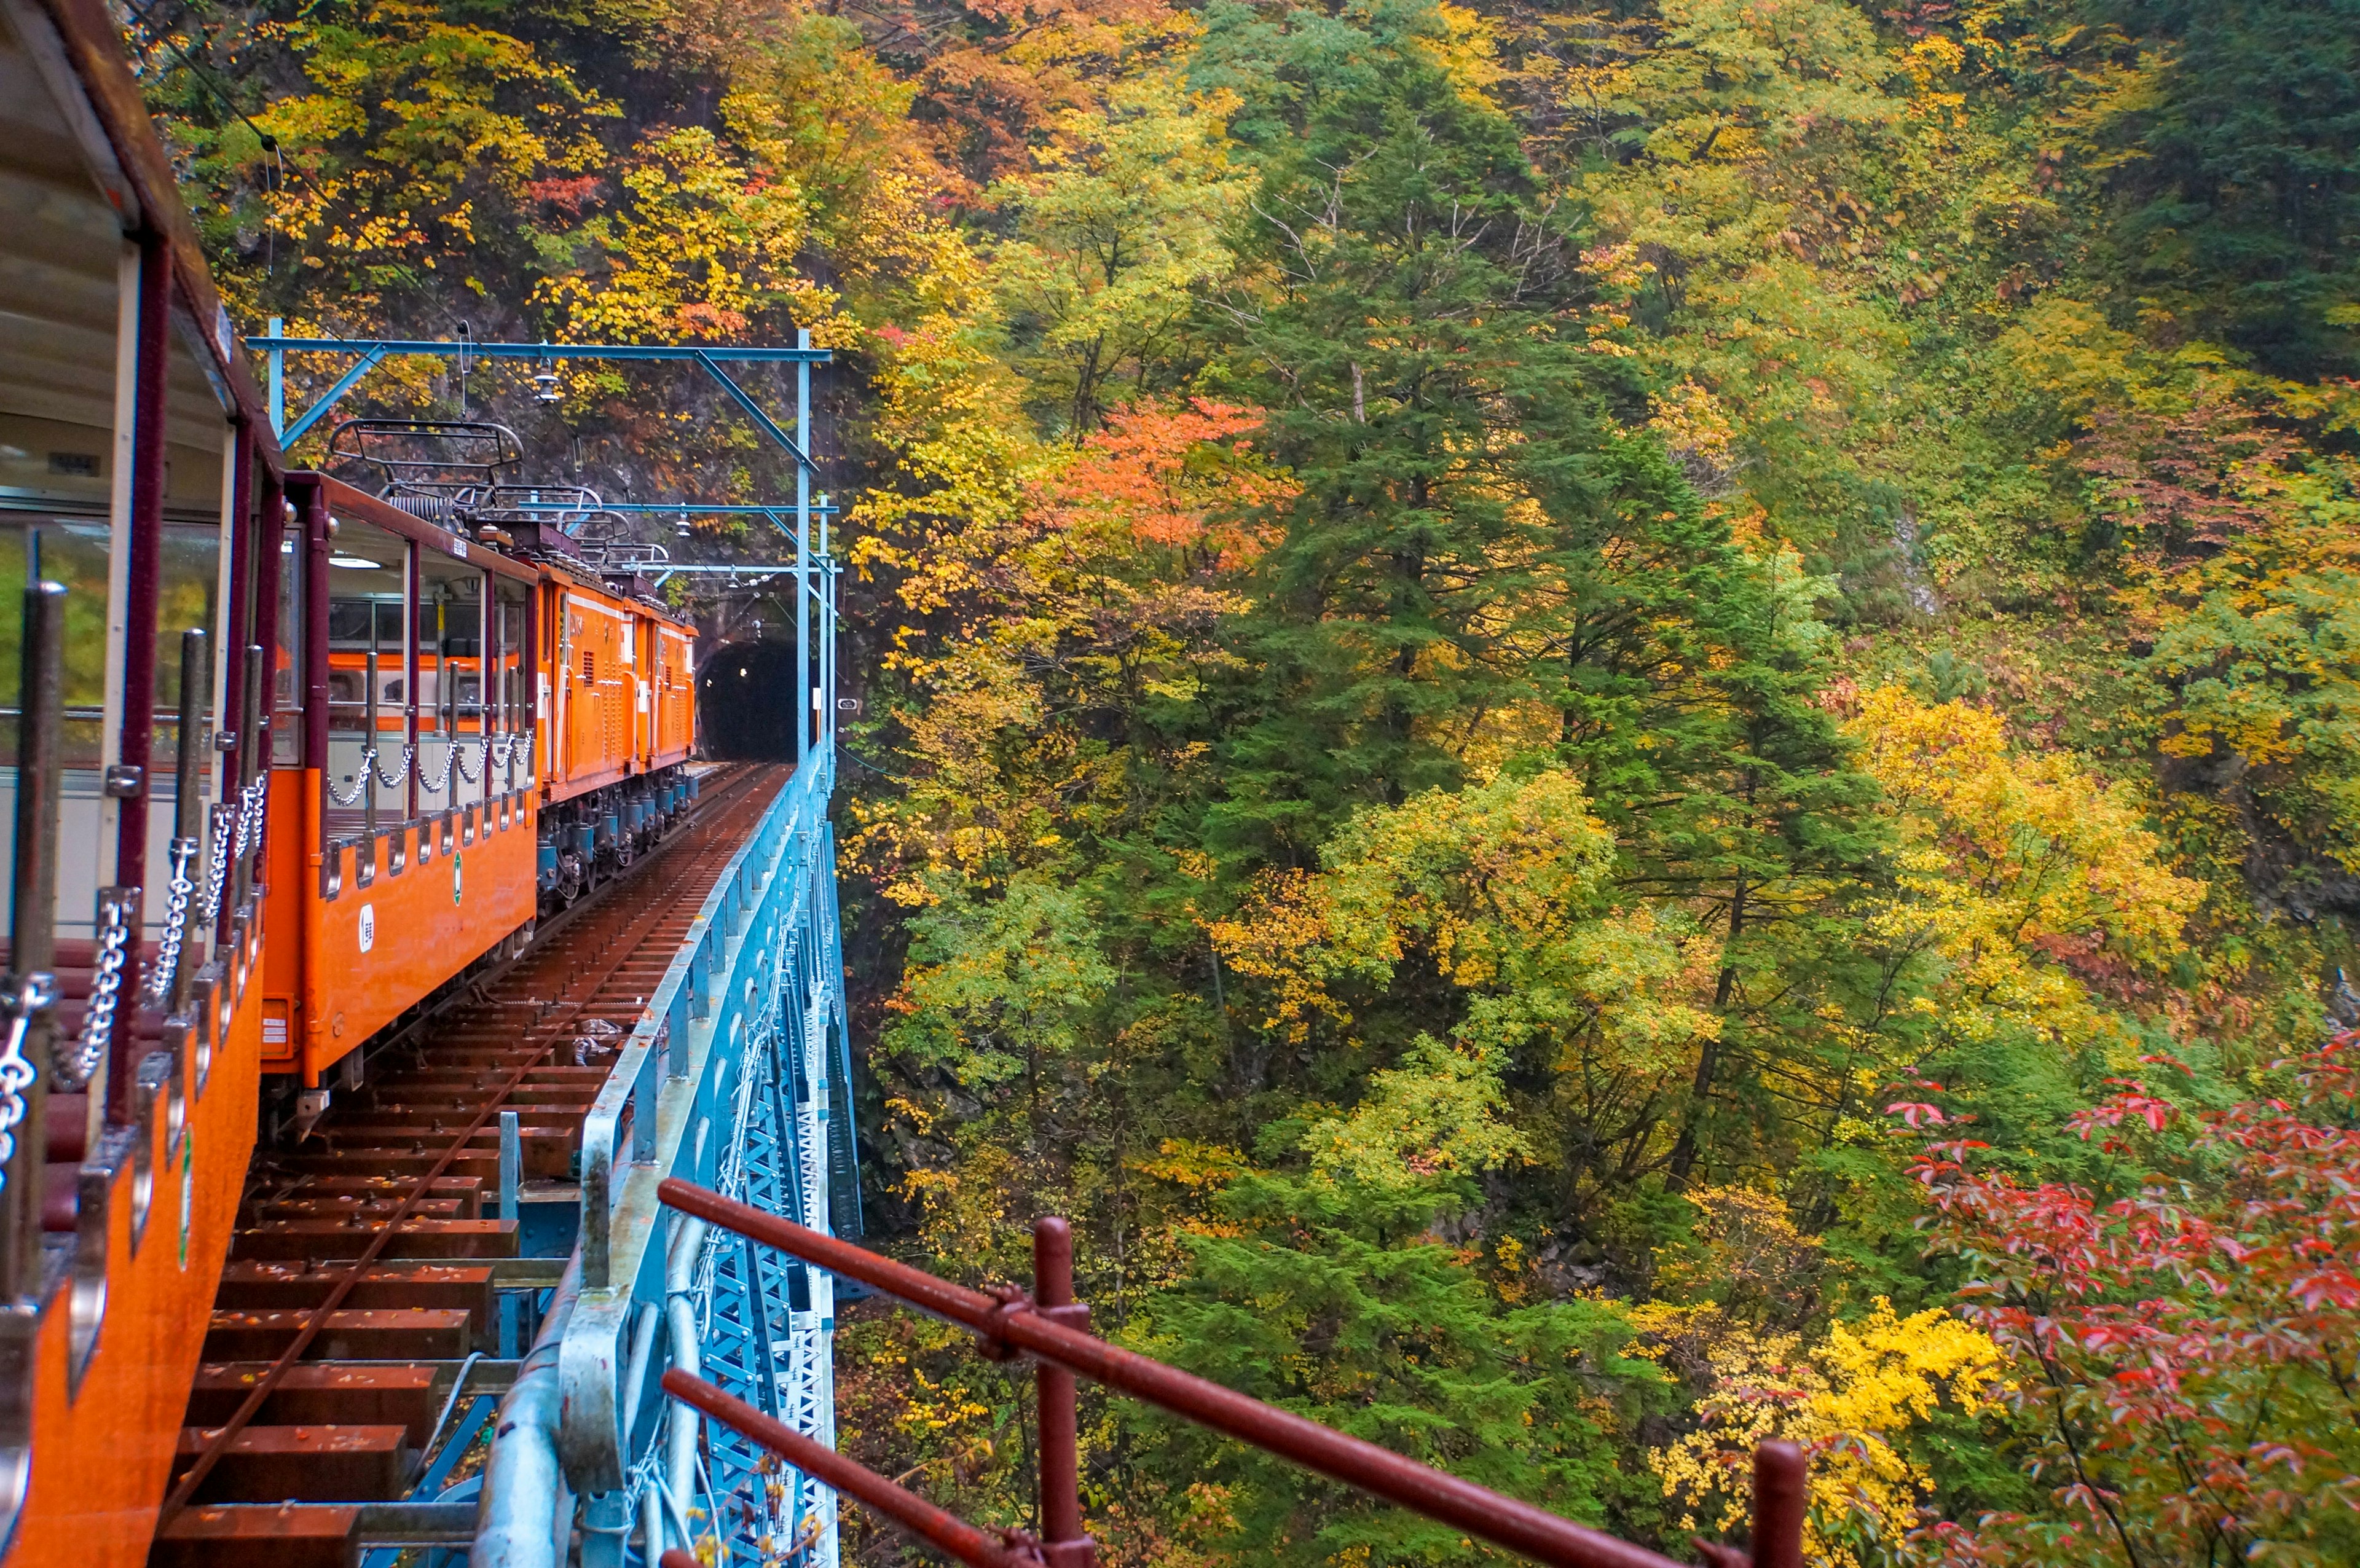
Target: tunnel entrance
745,695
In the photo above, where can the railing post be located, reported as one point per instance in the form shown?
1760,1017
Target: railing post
1781,1497
33,927
187,845
1063,1544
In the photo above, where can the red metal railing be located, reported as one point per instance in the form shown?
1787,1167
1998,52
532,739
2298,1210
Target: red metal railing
1051,1328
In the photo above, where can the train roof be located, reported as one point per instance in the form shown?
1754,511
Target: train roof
347,501
82,161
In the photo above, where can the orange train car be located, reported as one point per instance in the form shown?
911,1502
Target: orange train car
242,854
139,476
470,737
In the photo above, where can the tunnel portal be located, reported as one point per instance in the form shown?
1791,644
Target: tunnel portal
745,695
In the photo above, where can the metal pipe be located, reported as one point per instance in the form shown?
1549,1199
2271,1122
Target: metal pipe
651,1530
518,1524
1063,1544
188,819
1781,1497
802,554
243,525
143,578
313,556
1479,1511
368,745
635,1370
511,1167
903,1506
33,914
256,737
410,627
680,1309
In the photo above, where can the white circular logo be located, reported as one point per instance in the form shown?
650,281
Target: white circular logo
368,927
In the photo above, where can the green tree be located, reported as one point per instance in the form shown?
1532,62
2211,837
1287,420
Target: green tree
1116,236
1332,1302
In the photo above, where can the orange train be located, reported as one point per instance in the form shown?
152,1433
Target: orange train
469,736
236,856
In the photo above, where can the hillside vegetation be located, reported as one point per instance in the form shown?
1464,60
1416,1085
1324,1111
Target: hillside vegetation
1605,729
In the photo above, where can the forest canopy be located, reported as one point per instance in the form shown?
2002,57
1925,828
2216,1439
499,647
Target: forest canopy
1606,730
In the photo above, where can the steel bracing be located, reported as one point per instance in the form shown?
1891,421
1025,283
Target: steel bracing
769,1321
737,1078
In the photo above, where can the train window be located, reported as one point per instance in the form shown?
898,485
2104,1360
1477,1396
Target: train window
190,571
369,582
71,551
510,701
287,685
364,623
450,647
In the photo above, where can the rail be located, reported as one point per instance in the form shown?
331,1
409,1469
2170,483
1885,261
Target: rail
1046,1326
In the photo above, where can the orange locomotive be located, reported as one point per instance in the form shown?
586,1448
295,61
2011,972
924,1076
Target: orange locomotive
285,760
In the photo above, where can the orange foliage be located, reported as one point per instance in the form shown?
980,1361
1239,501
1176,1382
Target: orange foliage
1184,477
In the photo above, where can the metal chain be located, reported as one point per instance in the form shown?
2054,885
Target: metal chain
401,770
25,1000
158,987
472,779
250,803
504,754
449,757
228,827
106,989
360,782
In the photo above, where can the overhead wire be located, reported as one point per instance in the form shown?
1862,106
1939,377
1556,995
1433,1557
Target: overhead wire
220,92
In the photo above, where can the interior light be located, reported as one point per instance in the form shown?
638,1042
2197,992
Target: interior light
355,561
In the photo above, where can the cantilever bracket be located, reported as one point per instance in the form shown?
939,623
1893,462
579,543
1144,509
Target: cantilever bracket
345,383
374,351
754,410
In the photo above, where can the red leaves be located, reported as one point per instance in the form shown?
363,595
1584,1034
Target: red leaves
2186,1347
568,194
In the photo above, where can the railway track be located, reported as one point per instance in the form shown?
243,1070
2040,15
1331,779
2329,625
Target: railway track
386,1268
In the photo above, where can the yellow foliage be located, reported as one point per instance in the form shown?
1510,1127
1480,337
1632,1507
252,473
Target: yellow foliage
1439,1113
1502,885
2011,859
702,250
1849,1400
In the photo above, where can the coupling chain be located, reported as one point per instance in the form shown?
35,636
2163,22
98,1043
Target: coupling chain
158,987
89,1047
22,1000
